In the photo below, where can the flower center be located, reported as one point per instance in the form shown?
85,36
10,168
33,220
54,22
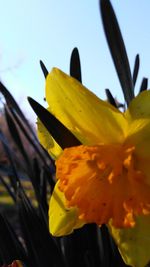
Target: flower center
104,183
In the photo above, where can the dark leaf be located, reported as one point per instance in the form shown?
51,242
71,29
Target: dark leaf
109,252
43,193
13,104
34,142
106,249
144,85
8,188
42,249
9,153
16,136
10,247
110,98
33,174
39,187
59,132
136,69
75,66
44,69
6,170
49,176
81,248
117,48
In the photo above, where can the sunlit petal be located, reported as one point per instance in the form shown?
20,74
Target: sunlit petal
62,221
134,243
138,117
47,140
89,118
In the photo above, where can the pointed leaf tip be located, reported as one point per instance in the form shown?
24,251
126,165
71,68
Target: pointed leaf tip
136,69
58,131
144,85
117,48
44,69
75,66
110,98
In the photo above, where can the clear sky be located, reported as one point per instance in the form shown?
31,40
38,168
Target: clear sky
31,30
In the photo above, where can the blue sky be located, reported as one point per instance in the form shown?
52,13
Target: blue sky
31,30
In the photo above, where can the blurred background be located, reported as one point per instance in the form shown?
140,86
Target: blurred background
50,29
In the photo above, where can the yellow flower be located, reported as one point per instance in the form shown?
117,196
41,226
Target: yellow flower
107,178
15,263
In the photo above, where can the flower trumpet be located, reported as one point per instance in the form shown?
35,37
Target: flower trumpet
106,179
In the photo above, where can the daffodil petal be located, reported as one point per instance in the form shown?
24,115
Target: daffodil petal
47,141
82,112
138,117
134,243
62,221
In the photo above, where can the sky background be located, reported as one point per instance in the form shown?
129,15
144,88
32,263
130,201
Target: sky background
31,30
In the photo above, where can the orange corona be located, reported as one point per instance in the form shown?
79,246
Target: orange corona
103,183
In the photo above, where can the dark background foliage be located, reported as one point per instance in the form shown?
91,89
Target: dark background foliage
24,233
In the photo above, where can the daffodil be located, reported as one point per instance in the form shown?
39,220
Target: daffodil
15,263
106,179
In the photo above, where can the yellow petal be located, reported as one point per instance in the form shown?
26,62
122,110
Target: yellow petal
89,118
138,116
134,243
62,221
47,140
